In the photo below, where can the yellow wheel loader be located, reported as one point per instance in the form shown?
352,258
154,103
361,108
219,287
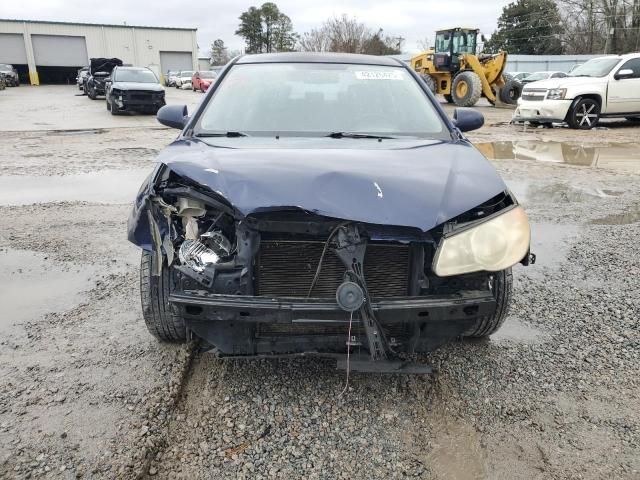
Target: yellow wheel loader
454,70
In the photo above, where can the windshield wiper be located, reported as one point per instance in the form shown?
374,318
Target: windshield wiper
583,75
222,134
357,135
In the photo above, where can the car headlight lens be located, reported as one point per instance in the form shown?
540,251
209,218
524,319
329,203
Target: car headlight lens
493,245
556,93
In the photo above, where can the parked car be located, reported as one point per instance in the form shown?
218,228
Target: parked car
133,89
516,75
170,79
80,78
293,214
12,79
600,88
99,71
537,76
184,77
202,80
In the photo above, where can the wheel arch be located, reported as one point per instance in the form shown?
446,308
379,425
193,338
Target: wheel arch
593,96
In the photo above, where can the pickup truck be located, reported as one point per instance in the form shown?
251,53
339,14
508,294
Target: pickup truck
603,87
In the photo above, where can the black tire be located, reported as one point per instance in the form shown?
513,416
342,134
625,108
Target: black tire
91,93
466,89
584,115
448,98
510,92
430,82
158,315
113,109
502,291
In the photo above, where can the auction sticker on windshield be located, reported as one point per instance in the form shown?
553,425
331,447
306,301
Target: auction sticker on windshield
373,75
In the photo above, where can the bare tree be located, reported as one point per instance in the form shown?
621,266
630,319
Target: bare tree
426,43
315,40
347,34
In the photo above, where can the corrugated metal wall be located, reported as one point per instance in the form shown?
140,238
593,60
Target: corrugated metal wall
139,46
538,63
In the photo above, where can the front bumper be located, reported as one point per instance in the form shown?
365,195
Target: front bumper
251,326
139,102
544,111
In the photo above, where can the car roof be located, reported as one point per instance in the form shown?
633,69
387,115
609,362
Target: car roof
315,57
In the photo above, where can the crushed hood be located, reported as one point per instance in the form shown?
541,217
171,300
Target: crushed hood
420,186
104,64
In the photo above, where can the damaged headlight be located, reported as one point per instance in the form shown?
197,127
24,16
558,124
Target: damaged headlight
556,93
493,245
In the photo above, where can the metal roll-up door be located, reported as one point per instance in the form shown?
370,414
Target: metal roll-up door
175,61
59,51
12,49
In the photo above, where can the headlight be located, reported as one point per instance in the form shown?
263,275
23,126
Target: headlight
492,245
556,93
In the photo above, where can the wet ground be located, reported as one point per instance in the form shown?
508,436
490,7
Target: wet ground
86,392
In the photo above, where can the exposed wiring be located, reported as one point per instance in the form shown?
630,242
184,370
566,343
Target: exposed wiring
324,252
346,383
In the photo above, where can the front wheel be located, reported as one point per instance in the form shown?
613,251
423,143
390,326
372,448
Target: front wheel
158,315
501,284
466,89
584,115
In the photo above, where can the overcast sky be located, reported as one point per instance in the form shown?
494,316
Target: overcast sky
412,19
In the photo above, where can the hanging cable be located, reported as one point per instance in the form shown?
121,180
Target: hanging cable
324,252
346,383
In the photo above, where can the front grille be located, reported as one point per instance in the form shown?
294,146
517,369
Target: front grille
534,94
287,268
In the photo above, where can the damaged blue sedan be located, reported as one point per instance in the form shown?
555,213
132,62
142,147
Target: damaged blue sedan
325,204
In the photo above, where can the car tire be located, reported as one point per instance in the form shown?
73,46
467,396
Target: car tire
157,312
430,82
510,92
502,286
91,93
584,115
466,89
113,109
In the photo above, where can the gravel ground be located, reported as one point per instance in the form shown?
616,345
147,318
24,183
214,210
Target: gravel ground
86,392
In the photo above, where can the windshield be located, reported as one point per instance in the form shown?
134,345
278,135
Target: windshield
537,76
597,67
138,76
314,99
207,75
186,74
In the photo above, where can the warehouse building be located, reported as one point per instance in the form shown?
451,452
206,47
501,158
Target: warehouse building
52,52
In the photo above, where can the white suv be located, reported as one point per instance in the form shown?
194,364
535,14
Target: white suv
602,87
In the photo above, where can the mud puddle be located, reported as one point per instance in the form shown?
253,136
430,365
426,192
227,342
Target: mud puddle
627,217
457,453
614,156
107,186
558,193
550,242
33,286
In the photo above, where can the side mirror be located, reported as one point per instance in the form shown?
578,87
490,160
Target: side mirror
174,116
467,119
624,73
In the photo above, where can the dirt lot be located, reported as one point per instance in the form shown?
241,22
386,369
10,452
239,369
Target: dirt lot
86,392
